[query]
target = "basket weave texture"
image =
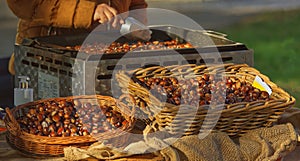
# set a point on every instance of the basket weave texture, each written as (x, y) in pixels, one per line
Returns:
(234, 119)
(43, 146)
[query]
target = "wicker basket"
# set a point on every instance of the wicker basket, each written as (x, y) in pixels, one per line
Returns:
(43, 146)
(234, 119)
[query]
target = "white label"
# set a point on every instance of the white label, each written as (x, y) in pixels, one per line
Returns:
(48, 86)
(260, 84)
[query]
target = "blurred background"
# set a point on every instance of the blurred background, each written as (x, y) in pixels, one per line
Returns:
(269, 27)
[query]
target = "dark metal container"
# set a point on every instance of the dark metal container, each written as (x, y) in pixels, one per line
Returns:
(57, 71)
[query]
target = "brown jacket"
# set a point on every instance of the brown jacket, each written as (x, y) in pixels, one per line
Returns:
(39, 17)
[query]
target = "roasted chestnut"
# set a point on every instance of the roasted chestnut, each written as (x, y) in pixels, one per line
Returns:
(116, 47)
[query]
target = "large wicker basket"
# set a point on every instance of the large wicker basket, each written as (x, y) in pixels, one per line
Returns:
(43, 146)
(234, 119)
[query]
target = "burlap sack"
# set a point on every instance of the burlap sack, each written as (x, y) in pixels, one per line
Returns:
(264, 144)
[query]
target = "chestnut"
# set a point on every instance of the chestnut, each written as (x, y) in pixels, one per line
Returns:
(76, 115)
(44, 124)
(59, 124)
(53, 107)
(28, 115)
(32, 111)
(60, 131)
(114, 120)
(52, 134)
(108, 114)
(72, 120)
(85, 133)
(56, 118)
(52, 128)
(264, 95)
(40, 108)
(53, 113)
(39, 127)
(67, 133)
(67, 121)
(73, 129)
(62, 103)
(118, 124)
(33, 130)
(77, 103)
(67, 116)
(48, 120)
(36, 123)
(40, 117)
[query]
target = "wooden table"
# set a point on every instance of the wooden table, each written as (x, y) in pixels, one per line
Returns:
(9, 154)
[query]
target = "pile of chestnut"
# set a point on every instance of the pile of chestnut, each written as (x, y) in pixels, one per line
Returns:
(117, 47)
(70, 118)
(202, 90)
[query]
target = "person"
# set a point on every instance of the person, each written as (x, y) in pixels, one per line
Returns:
(57, 17)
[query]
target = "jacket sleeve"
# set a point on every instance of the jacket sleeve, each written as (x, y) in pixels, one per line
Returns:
(140, 15)
(57, 13)
(138, 4)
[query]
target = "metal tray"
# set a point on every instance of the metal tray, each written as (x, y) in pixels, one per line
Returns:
(203, 40)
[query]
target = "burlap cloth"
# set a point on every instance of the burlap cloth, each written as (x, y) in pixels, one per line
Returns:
(264, 144)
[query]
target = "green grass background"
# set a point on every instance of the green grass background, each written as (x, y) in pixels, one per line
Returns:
(275, 39)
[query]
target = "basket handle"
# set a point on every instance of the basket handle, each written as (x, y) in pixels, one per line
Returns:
(12, 119)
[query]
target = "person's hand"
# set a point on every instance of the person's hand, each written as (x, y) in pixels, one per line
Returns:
(104, 13)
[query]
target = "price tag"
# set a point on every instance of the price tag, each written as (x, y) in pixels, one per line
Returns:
(261, 85)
